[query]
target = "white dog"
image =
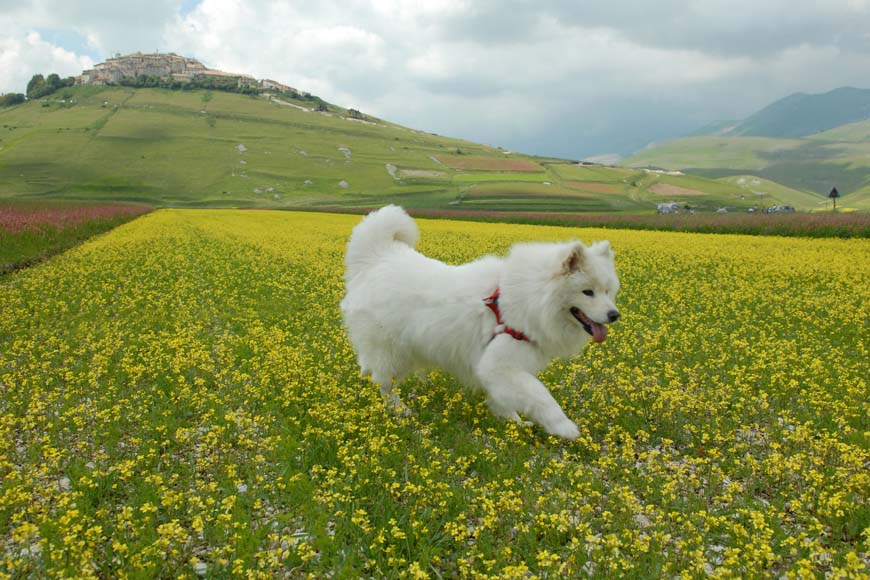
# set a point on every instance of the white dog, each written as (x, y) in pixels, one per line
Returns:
(493, 323)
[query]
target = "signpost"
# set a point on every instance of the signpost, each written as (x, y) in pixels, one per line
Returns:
(834, 195)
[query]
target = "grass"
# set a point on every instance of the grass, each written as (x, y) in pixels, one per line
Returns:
(31, 231)
(853, 132)
(181, 149)
(178, 398)
(498, 176)
(760, 190)
(796, 171)
(713, 153)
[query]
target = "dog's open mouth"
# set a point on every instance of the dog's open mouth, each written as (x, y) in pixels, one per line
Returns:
(597, 330)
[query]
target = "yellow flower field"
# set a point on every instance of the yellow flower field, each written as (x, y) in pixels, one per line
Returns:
(178, 399)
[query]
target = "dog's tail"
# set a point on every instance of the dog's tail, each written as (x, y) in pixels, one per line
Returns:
(377, 232)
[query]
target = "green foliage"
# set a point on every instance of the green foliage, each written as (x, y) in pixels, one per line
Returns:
(10, 99)
(226, 84)
(35, 84)
(38, 86)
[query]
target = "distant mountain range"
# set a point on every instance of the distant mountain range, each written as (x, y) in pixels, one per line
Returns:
(807, 142)
(799, 115)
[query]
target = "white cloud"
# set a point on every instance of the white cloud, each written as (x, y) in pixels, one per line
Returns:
(22, 57)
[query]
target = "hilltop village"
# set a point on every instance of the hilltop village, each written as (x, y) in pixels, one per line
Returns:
(170, 66)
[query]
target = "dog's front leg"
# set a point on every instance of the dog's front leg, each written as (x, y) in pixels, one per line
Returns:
(512, 389)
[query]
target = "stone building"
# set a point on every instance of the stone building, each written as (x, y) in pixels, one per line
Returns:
(280, 87)
(165, 66)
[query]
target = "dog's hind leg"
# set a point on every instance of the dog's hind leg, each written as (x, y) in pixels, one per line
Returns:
(422, 375)
(364, 369)
(391, 399)
(384, 362)
(386, 373)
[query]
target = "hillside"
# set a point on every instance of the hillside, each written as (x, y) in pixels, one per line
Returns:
(803, 143)
(810, 165)
(212, 148)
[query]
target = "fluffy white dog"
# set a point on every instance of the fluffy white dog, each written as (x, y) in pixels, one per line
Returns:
(493, 323)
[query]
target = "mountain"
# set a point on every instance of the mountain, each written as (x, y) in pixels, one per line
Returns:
(809, 143)
(800, 114)
(715, 128)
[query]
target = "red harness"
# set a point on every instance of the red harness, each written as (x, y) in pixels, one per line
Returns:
(491, 302)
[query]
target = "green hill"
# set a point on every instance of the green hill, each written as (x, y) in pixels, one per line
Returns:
(799, 146)
(808, 165)
(852, 132)
(212, 148)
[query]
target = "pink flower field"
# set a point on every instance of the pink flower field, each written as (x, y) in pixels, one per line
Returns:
(31, 231)
(24, 217)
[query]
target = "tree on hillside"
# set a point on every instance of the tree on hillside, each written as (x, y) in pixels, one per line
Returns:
(10, 99)
(36, 84)
(40, 86)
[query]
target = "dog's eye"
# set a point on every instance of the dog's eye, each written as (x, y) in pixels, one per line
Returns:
(589, 292)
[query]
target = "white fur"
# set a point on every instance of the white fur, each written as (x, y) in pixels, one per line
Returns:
(405, 312)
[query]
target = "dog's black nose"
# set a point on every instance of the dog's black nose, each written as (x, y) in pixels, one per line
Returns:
(613, 316)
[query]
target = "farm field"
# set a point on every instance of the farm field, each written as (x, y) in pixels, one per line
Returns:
(178, 398)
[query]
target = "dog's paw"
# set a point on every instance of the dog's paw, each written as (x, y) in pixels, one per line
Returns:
(566, 429)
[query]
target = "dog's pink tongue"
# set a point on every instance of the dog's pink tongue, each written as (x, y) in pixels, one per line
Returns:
(599, 331)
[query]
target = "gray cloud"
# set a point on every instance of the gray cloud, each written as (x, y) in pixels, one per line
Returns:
(738, 27)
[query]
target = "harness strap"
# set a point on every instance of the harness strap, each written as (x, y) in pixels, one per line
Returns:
(491, 302)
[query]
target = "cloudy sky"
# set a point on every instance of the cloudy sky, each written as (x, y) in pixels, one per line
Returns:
(559, 77)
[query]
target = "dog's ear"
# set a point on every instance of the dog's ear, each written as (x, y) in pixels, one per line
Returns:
(575, 258)
(603, 248)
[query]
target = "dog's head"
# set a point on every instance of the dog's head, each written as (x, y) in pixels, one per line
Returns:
(562, 294)
(589, 287)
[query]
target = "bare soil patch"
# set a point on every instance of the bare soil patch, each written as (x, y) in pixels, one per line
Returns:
(526, 190)
(488, 163)
(668, 189)
(410, 173)
(593, 186)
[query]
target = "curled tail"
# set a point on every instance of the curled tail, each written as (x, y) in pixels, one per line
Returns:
(377, 232)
